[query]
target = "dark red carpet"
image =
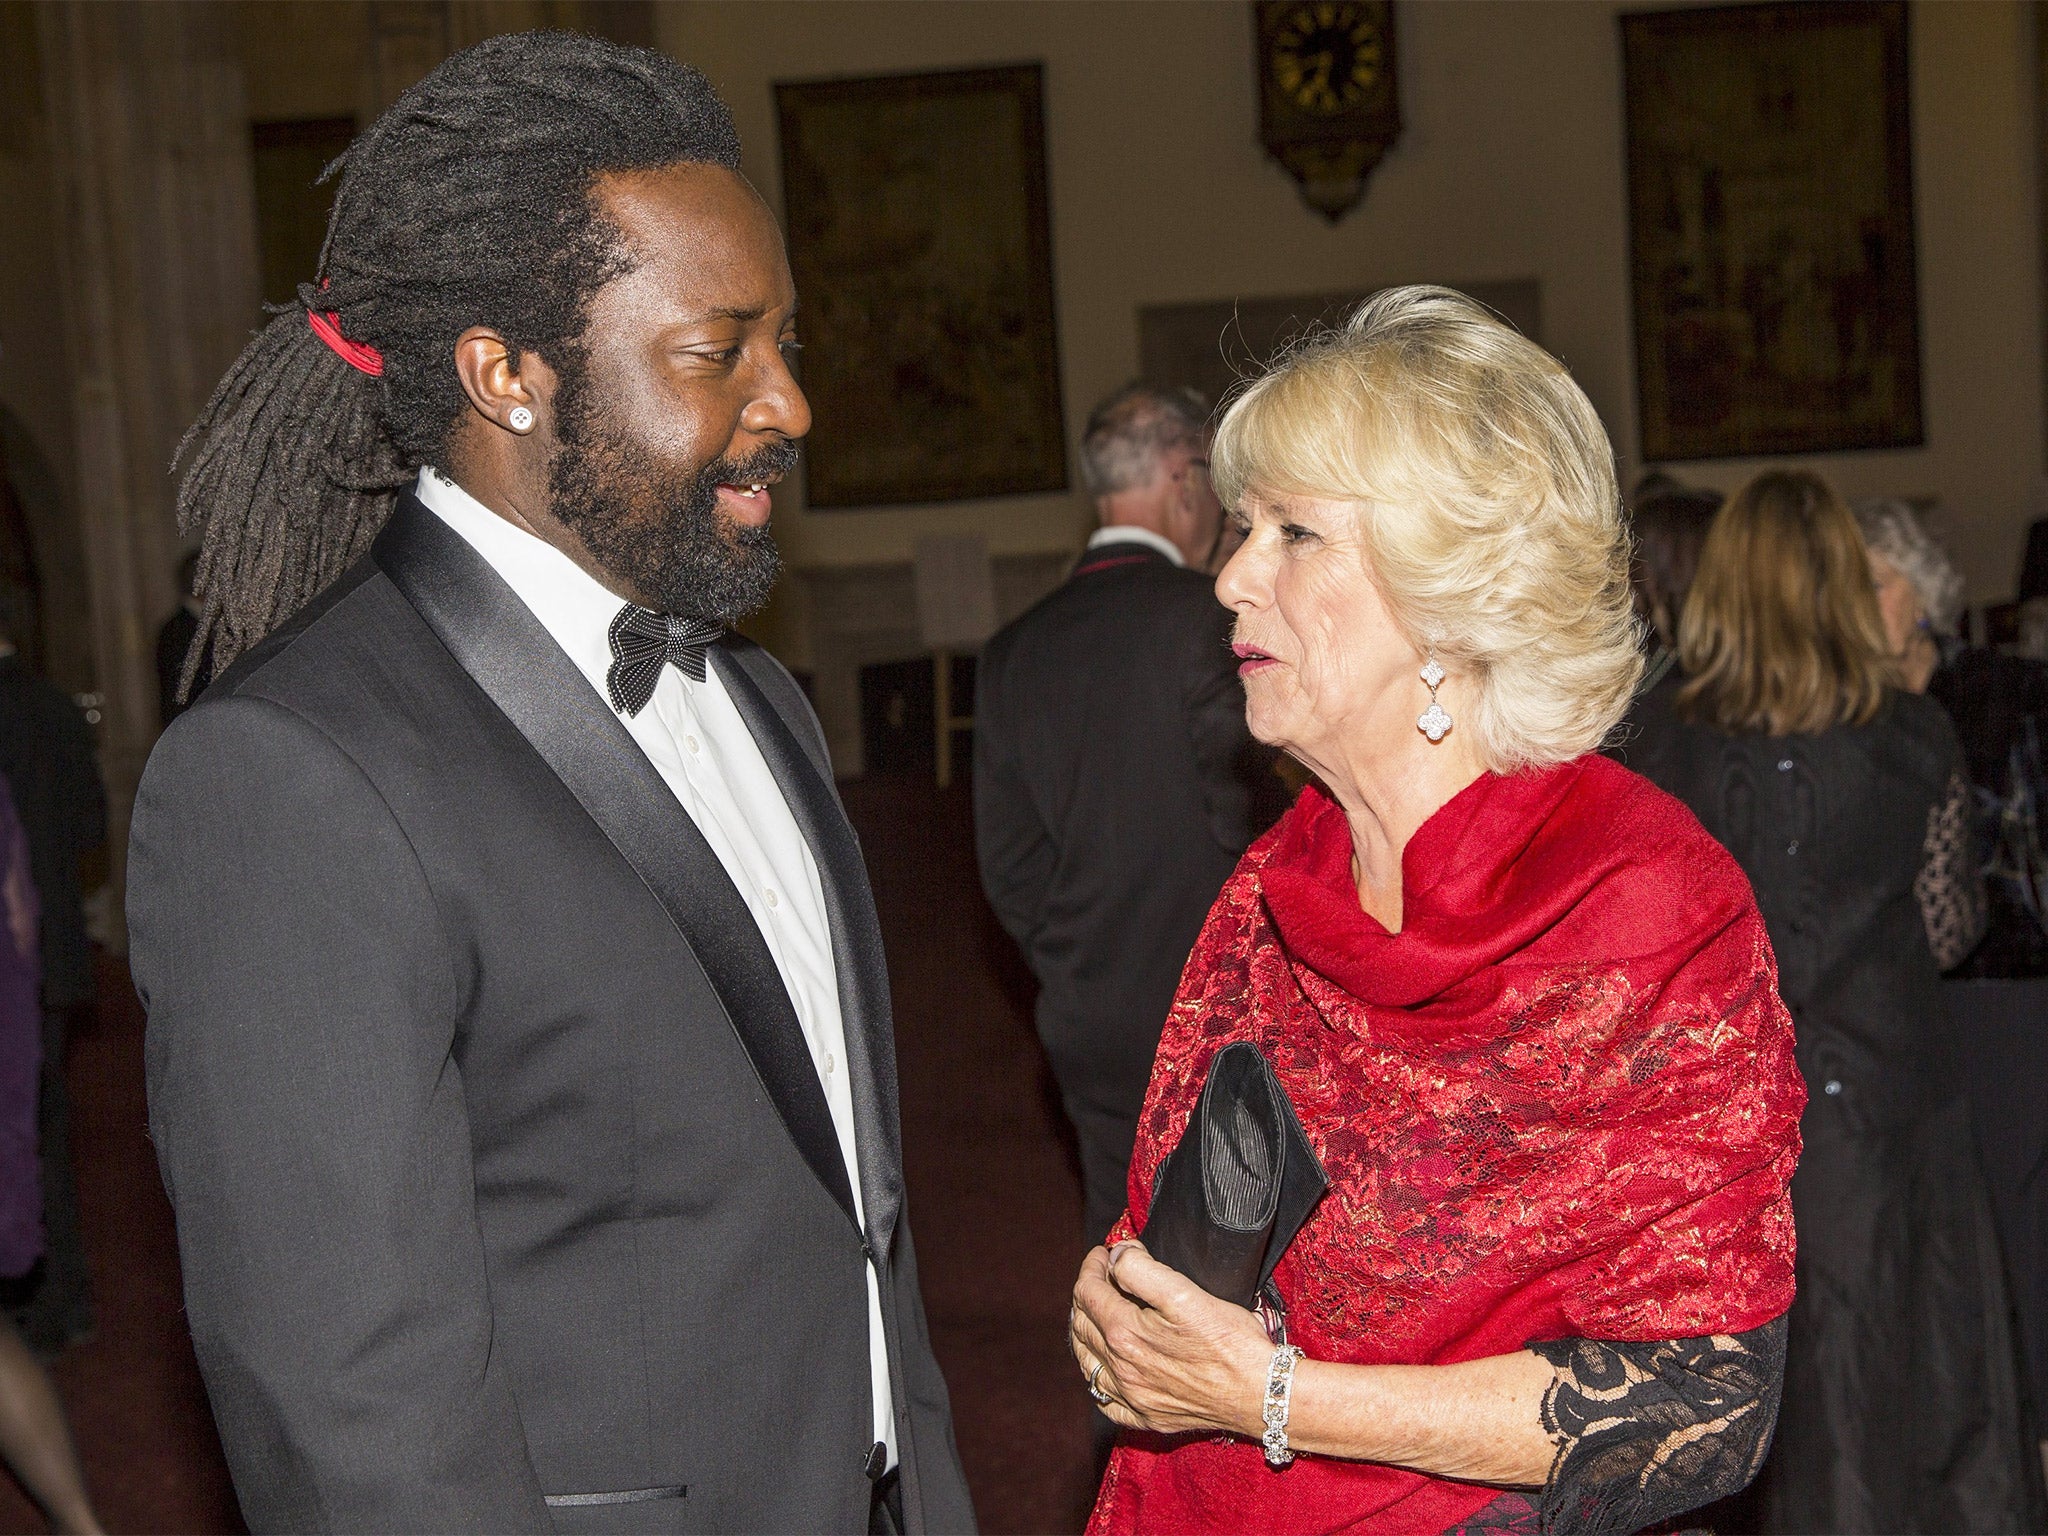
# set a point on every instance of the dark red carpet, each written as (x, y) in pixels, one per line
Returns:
(993, 1195)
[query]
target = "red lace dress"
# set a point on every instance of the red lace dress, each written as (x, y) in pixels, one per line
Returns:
(1561, 1103)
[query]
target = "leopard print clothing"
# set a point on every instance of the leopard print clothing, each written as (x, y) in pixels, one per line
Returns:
(1950, 887)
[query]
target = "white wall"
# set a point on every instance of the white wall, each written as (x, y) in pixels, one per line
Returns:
(1511, 166)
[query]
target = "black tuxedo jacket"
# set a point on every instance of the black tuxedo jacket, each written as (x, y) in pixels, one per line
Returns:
(507, 1194)
(1115, 786)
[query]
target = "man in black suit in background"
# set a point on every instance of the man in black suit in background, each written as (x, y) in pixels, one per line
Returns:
(51, 765)
(520, 1059)
(1115, 783)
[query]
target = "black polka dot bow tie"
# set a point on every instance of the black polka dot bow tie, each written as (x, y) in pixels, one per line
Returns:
(643, 643)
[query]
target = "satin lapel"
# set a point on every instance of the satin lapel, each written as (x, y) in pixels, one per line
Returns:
(857, 954)
(511, 656)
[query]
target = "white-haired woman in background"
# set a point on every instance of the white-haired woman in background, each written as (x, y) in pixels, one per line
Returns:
(1999, 705)
(1919, 593)
(1522, 1003)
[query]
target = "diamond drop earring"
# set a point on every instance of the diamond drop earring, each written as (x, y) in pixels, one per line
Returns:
(1435, 721)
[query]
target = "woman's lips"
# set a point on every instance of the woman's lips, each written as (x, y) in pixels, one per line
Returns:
(749, 504)
(1251, 659)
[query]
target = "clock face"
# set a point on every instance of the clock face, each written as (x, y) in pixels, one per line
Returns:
(1327, 55)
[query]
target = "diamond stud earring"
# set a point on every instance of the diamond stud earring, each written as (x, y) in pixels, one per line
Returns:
(519, 419)
(1435, 721)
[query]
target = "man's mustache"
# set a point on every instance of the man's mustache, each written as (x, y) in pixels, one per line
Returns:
(771, 461)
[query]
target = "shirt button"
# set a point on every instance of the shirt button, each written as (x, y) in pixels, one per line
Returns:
(773, 899)
(1784, 765)
(691, 743)
(830, 1063)
(1831, 1087)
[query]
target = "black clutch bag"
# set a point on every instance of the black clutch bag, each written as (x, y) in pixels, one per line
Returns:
(1231, 1196)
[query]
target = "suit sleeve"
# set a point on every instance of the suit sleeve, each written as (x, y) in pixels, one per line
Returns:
(1241, 796)
(85, 792)
(1012, 846)
(309, 1121)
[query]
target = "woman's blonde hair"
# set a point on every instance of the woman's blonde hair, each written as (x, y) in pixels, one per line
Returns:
(1492, 522)
(1781, 631)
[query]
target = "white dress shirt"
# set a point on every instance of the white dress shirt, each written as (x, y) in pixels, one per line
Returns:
(1123, 534)
(697, 741)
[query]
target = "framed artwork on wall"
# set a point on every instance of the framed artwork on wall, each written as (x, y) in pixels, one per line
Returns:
(916, 207)
(1770, 187)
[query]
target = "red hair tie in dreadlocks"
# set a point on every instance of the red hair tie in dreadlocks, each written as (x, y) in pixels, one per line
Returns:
(359, 355)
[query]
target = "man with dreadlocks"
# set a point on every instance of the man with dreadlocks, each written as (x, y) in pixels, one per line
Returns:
(520, 1058)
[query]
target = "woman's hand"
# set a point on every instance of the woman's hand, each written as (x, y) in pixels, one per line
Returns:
(1172, 1357)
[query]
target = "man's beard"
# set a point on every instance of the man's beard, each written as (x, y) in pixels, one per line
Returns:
(659, 530)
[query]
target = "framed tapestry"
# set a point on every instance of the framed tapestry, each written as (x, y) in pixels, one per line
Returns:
(917, 235)
(1770, 184)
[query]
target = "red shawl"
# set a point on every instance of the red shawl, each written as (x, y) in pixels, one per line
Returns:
(1560, 1103)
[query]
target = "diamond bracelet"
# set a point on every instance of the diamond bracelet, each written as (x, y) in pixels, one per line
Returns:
(1279, 1396)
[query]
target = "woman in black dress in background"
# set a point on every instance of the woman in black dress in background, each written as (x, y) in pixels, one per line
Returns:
(1998, 704)
(1845, 800)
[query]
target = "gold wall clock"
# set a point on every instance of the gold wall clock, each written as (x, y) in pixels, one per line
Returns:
(1328, 109)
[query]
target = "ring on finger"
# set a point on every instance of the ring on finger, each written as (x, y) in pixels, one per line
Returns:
(1094, 1389)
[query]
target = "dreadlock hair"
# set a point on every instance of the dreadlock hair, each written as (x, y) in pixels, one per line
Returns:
(470, 202)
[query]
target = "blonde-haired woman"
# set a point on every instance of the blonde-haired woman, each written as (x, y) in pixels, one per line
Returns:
(1844, 800)
(1520, 1001)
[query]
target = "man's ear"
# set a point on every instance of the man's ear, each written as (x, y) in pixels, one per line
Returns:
(508, 395)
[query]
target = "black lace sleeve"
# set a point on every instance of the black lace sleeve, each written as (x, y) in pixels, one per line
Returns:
(1646, 1432)
(1950, 887)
